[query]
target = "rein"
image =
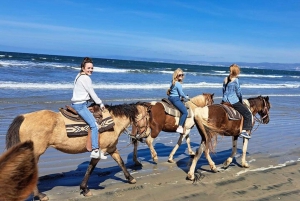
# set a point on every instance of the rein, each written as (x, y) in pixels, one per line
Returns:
(260, 120)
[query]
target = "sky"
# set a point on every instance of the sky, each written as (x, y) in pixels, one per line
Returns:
(186, 30)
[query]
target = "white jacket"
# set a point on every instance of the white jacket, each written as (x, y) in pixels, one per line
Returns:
(83, 90)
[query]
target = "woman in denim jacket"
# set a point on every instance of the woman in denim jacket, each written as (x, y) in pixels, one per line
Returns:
(175, 93)
(232, 94)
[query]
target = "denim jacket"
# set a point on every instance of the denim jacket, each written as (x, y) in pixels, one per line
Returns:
(176, 90)
(232, 93)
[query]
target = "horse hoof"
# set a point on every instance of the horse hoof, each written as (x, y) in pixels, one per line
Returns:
(192, 153)
(246, 165)
(138, 164)
(132, 181)
(171, 161)
(190, 177)
(88, 194)
(215, 170)
(155, 160)
(41, 197)
(44, 198)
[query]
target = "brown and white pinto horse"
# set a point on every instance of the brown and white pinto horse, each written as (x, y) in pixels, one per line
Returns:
(213, 120)
(158, 120)
(47, 128)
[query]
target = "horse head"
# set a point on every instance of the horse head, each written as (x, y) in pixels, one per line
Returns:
(264, 113)
(261, 105)
(203, 100)
(141, 127)
(209, 99)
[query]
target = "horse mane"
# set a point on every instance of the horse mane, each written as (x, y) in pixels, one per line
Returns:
(18, 172)
(128, 110)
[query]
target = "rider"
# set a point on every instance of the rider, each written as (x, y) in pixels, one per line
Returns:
(83, 92)
(174, 93)
(232, 94)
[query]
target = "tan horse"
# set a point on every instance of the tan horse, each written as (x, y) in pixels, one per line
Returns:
(18, 172)
(47, 128)
(213, 120)
(159, 121)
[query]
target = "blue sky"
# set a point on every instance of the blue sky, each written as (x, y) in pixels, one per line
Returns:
(188, 30)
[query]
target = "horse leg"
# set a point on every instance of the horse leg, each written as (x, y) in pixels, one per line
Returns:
(191, 174)
(210, 161)
(170, 160)
(188, 142)
(135, 158)
(116, 156)
(233, 152)
(83, 186)
(149, 142)
(38, 195)
(245, 146)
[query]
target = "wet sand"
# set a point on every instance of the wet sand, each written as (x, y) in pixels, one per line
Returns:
(264, 180)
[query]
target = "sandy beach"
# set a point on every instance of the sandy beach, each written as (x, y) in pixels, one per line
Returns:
(264, 180)
(273, 154)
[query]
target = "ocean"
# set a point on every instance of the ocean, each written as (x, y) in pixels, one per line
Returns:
(31, 82)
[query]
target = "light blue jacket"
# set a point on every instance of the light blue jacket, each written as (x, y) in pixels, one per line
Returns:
(232, 94)
(176, 90)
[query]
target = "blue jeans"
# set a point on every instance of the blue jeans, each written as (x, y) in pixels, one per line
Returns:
(88, 117)
(243, 110)
(180, 106)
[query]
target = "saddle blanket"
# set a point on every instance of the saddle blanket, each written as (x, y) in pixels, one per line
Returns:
(81, 128)
(232, 113)
(171, 110)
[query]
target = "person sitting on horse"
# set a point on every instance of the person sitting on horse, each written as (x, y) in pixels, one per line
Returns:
(82, 93)
(232, 94)
(175, 93)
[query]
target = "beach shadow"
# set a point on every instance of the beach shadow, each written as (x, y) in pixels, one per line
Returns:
(73, 178)
(218, 158)
(162, 151)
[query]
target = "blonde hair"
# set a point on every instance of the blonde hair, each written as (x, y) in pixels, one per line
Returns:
(175, 76)
(234, 71)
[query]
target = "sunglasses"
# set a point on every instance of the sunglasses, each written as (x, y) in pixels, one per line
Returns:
(180, 75)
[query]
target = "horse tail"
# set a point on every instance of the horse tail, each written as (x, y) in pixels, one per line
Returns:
(207, 130)
(12, 136)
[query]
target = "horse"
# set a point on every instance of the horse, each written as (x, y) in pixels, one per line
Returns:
(213, 120)
(47, 128)
(18, 172)
(159, 120)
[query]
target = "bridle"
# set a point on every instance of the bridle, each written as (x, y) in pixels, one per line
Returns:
(141, 130)
(263, 114)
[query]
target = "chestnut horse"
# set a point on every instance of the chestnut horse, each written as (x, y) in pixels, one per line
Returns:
(213, 120)
(47, 128)
(18, 172)
(161, 121)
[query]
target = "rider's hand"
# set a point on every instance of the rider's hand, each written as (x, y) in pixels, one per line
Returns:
(187, 97)
(102, 107)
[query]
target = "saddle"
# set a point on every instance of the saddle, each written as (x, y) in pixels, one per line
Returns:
(76, 126)
(231, 112)
(172, 110)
